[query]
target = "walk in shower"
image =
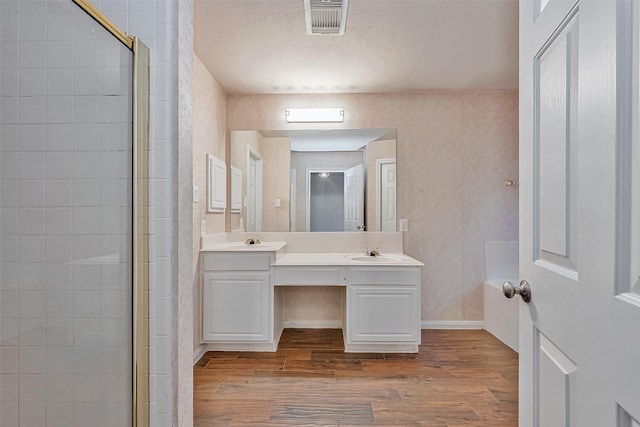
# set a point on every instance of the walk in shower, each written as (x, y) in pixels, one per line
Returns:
(73, 218)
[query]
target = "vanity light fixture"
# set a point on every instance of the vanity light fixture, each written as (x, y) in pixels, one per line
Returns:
(324, 174)
(315, 115)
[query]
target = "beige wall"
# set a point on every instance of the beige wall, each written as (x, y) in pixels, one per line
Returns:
(277, 163)
(455, 149)
(209, 129)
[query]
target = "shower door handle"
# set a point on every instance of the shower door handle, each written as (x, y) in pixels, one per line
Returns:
(524, 290)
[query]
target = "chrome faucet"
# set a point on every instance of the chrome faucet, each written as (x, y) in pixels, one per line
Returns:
(252, 241)
(374, 252)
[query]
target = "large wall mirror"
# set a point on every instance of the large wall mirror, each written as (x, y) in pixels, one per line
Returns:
(313, 180)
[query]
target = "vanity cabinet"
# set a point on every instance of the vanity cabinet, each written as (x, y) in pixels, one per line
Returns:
(237, 297)
(237, 307)
(243, 298)
(383, 305)
(383, 302)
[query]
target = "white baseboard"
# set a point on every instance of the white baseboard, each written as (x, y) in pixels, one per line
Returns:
(200, 351)
(452, 324)
(313, 324)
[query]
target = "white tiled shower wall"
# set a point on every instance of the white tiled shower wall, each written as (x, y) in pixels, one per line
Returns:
(155, 22)
(65, 342)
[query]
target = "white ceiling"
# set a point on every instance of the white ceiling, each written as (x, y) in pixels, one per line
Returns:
(260, 46)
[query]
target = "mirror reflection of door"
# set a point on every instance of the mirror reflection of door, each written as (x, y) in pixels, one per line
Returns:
(335, 199)
(292, 200)
(387, 194)
(308, 149)
(254, 191)
(354, 199)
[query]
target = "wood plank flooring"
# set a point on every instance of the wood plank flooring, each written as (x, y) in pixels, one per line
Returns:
(458, 378)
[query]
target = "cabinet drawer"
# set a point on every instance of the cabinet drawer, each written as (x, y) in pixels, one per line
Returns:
(235, 261)
(309, 276)
(384, 276)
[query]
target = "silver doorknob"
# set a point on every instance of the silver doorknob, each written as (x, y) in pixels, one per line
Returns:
(524, 290)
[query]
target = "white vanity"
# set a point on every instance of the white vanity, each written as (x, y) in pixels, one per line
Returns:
(243, 304)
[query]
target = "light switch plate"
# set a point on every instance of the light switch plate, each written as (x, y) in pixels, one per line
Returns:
(404, 224)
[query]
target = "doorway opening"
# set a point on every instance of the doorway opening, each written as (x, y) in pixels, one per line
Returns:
(325, 200)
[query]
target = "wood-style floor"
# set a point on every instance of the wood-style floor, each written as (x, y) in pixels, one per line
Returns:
(458, 378)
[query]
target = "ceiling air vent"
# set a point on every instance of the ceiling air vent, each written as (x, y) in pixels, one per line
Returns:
(325, 16)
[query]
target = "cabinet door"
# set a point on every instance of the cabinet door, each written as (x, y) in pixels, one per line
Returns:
(383, 314)
(236, 307)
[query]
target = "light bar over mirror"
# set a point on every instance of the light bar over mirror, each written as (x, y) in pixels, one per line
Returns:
(315, 115)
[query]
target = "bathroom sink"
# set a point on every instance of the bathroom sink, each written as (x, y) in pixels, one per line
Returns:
(378, 258)
(242, 246)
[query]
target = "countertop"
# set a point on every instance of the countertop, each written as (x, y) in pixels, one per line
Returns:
(284, 258)
(346, 259)
(243, 247)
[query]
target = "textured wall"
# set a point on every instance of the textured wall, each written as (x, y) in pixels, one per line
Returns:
(455, 149)
(209, 130)
(276, 184)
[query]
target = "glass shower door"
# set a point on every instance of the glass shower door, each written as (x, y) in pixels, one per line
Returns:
(66, 174)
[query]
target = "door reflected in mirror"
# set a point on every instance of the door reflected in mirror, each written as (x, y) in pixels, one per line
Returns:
(314, 180)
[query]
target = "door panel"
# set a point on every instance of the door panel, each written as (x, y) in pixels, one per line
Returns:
(354, 198)
(626, 420)
(251, 196)
(380, 313)
(236, 307)
(555, 146)
(628, 199)
(557, 374)
(388, 197)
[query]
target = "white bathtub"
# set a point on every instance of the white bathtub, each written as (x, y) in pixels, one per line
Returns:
(501, 313)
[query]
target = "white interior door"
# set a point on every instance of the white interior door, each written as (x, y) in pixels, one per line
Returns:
(293, 195)
(579, 216)
(387, 195)
(354, 198)
(251, 195)
(254, 191)
(217, 185)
